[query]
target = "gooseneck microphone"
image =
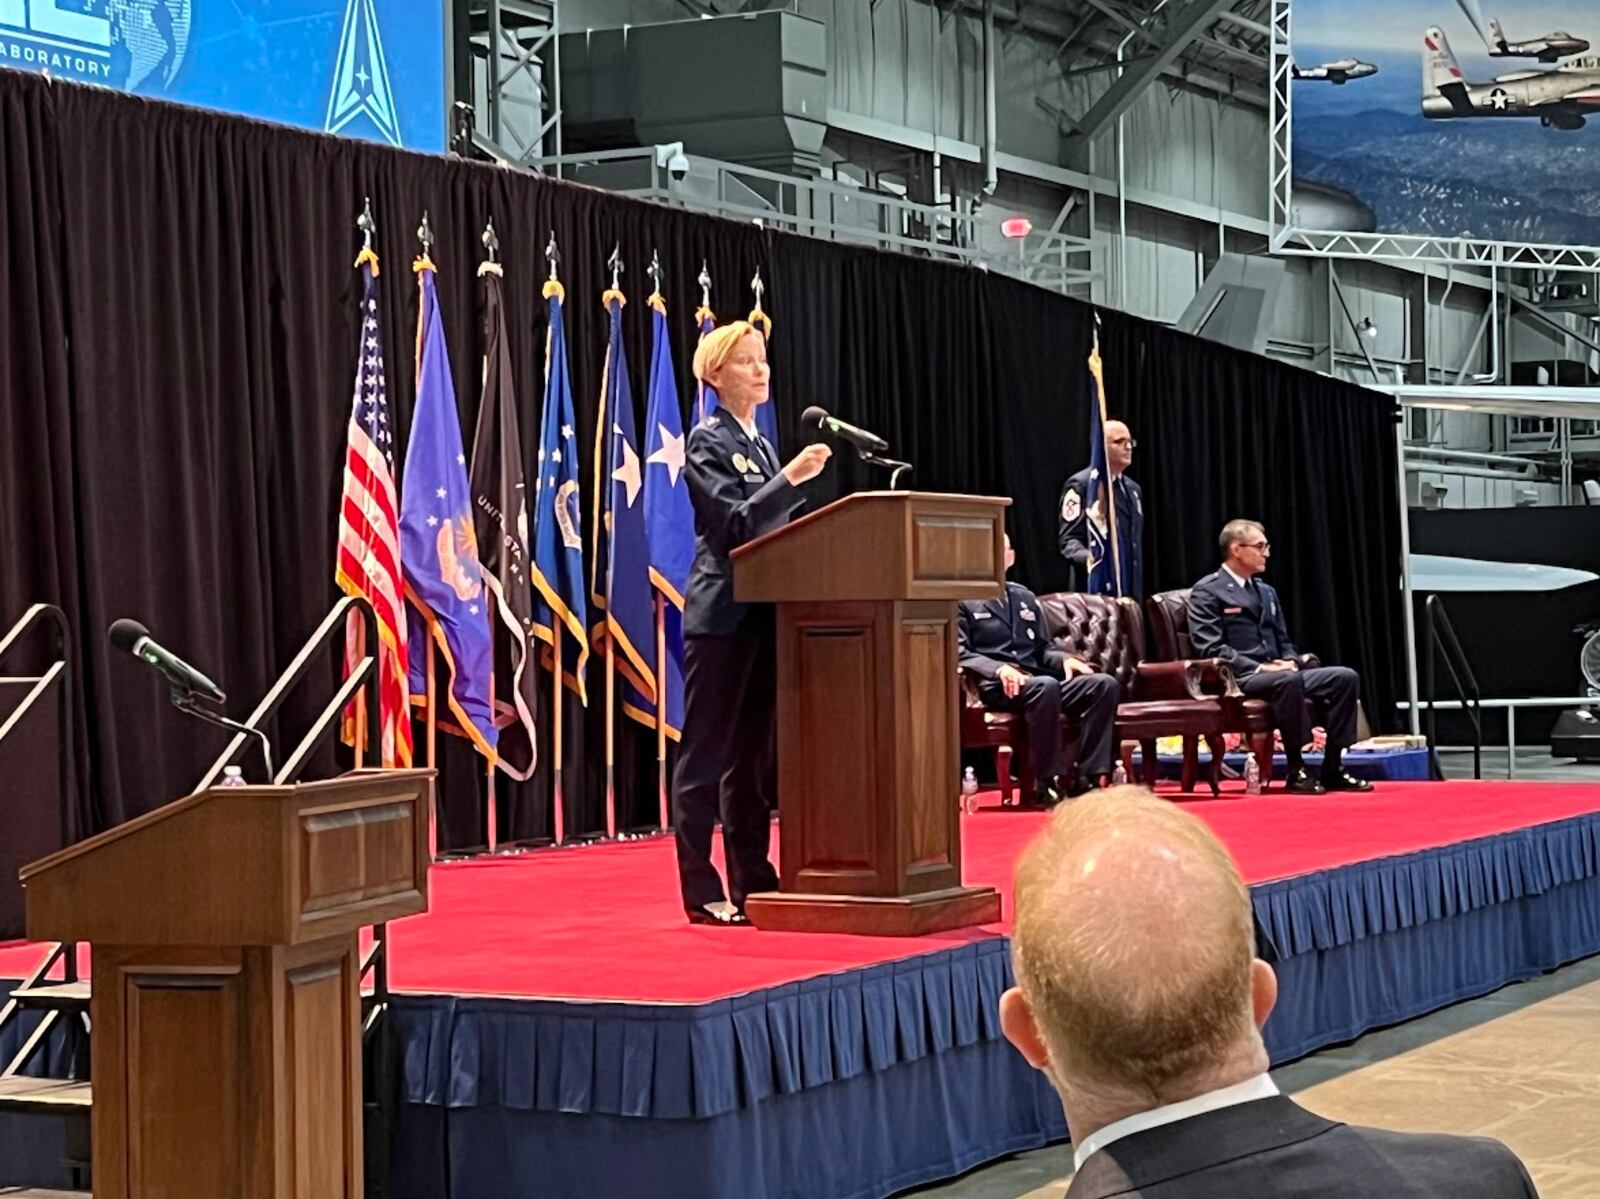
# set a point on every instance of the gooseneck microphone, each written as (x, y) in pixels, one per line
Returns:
(817, 418)
(134, 638)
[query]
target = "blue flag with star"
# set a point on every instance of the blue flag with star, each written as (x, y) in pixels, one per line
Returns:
(1108, 572)
(621, 585)
(558, 602)
(668, 514)
(438, 541)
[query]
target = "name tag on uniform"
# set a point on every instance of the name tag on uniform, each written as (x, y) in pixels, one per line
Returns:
(754, 478)
(983, 616)
(1232, 611)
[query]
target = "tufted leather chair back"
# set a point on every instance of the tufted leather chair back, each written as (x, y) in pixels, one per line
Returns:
(1106, 632)
(1169, 626)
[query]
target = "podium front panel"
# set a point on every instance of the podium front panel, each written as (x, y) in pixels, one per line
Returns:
(833, 836)
(927, 744)
(954, 554)
(867, 748)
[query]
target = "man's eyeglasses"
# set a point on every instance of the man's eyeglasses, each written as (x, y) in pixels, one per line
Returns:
(1127, 441)
(1263, 546)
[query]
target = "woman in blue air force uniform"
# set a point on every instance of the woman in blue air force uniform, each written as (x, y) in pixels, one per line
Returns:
(725, 760)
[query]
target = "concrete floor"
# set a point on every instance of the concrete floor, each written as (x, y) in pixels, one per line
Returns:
(1521, 1065)
(1532, 763)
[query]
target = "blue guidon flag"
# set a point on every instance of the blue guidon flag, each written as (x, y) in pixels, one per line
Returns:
(557, 524)
(668, 514)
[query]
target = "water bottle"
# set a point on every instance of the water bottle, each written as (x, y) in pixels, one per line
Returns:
(233, 776)
(1252, 776)
(969, 784)
(1119, 776)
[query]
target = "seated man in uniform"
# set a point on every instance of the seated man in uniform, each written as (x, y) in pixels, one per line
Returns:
(1234, 616)
(1005, 644)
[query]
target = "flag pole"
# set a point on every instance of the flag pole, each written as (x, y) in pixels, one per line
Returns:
(1098, 367)
(661, 708)
(556, 705)
(490, 833)
(359, 736)
(611, 736)
(430, 745)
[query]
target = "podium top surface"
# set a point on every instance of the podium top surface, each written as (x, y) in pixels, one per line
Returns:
(254, 865)
(880, 545)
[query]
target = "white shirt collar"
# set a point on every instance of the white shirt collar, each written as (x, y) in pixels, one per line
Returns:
(1259, 1087)
(1235, 576)
(749, 426)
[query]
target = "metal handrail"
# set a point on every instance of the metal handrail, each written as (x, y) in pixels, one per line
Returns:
(1441, 636)
(61, 668)
(365, 672)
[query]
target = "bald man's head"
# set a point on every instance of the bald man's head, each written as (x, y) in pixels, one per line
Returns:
(1119, 446)
(1135, 951)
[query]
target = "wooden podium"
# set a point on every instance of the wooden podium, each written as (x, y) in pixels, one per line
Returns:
(868, 727)
(225, 1004)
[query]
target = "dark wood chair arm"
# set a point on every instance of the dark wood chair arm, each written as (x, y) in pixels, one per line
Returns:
(1217, 677)
(1167, 680)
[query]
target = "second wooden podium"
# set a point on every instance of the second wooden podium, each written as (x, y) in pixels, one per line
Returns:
(868, 728)
(226, 1005)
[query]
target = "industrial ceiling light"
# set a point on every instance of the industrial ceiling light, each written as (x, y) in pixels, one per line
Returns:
(1368, 329)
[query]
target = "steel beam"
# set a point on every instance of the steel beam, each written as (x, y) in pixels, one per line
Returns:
(1185, 20)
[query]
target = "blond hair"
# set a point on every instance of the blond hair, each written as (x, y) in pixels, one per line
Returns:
(1133, 944)
(717, 347)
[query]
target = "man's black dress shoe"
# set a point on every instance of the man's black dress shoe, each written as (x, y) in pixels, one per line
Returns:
(1343, 780)
(1082, 786)
(1301, 783)
(721, 912)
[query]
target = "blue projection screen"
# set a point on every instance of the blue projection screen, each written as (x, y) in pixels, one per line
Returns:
(363, 68)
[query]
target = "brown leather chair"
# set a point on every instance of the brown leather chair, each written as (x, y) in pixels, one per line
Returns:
(1160, 698)
(1252, 718)
(1007, 734)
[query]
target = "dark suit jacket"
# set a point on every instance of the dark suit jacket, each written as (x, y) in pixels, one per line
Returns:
(1226, 621)
(739, 493)
(1275, 1149)
(1072, 530)
(1007, 631)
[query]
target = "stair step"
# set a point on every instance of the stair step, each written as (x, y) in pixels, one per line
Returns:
(20, 1092)
(66, 997)
(38, 1193)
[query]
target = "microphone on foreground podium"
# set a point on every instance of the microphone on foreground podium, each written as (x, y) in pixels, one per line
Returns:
(869, 447)
(189, 688)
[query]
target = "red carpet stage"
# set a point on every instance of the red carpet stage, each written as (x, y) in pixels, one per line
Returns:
(562, 1030)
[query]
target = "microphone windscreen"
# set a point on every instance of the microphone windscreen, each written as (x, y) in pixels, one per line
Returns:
(126, 633)
(813, 417)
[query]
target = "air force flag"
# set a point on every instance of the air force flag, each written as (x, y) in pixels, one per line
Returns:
(439, 543)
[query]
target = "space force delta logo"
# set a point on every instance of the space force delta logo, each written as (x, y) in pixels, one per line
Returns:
(139, 45)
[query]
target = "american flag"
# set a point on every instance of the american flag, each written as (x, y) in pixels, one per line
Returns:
(369, 531)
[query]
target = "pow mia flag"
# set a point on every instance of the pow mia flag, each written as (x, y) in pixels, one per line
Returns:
(500, 505)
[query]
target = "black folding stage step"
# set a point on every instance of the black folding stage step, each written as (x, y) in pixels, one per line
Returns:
(59, 1096)
(61, 997)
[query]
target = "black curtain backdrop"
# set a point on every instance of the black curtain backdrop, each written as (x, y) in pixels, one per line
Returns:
(177, 353)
